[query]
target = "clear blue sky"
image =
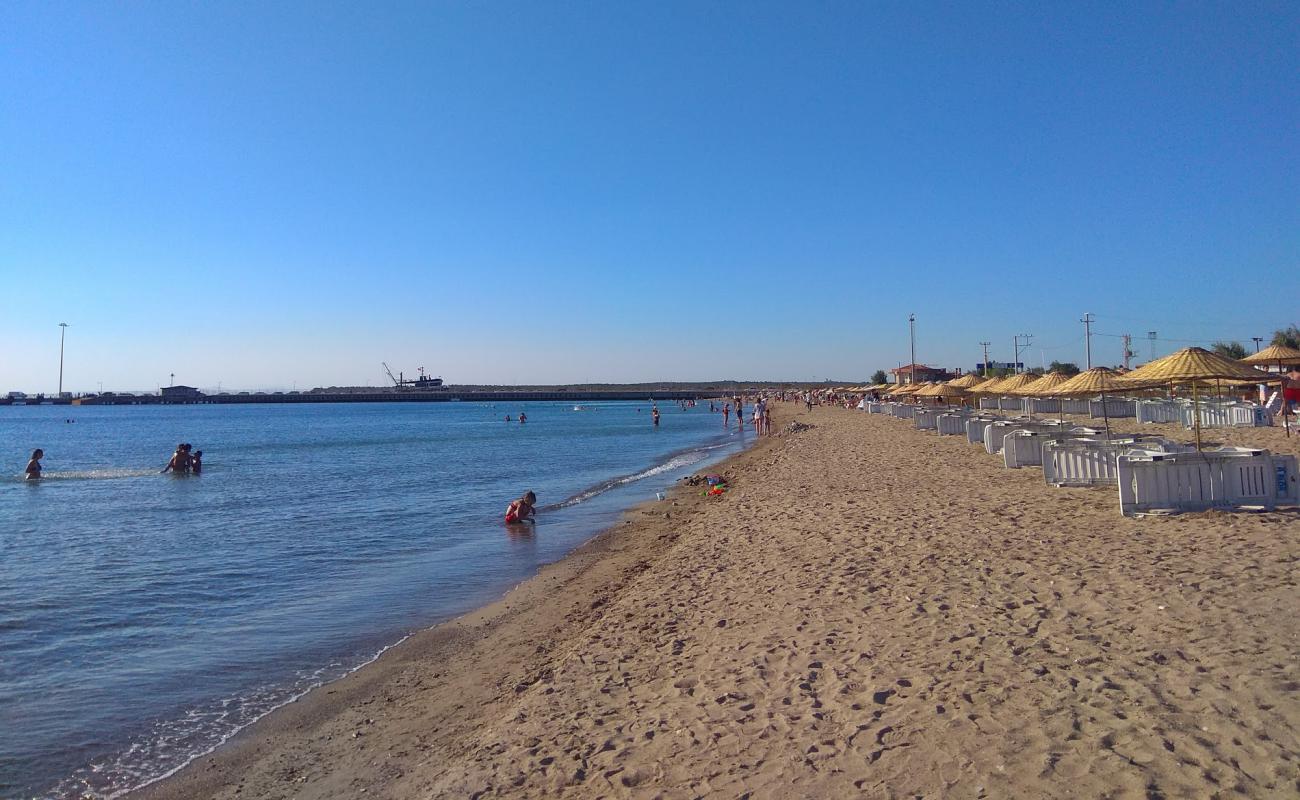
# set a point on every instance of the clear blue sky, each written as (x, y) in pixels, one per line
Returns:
(270, 194)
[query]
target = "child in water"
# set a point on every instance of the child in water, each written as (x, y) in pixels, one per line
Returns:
(33, 471)
(522, 510)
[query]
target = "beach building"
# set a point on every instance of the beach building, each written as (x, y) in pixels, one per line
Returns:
(904, 374)
(180, 392)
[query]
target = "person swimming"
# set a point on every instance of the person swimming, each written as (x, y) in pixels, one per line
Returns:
(523, 509)
(33, 471)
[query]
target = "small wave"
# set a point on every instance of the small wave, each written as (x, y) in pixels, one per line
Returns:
(107, 473)
(175, 744)
(677, 461)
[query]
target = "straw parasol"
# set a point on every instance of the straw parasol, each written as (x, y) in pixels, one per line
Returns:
(967, 381)
(1009, 385)
(990, 386)
(1192, 365)
(940, 390)
(1274, 354)
(1280, 355)
(1098, 380)
(1042, 387)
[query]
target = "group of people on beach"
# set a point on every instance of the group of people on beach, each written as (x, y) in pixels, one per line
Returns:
(185, 461)
(760, 418)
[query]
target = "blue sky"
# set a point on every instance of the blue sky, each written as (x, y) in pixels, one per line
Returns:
(270, 195)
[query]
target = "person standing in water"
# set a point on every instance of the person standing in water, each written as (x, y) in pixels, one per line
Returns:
(523, 509)
(196, 462)
(180, 461)
(654, 415)
(33, 471)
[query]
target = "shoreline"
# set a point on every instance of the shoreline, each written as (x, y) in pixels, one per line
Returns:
(871, 611)
(592, 568)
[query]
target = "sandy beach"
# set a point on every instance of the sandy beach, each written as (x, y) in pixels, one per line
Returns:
(871, 612)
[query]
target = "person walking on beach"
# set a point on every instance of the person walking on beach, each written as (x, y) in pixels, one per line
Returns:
(523, 509)
(33, 471)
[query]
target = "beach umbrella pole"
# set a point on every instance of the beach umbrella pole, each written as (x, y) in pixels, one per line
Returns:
(1196, 417)
(1286, 407)
(1105, 414)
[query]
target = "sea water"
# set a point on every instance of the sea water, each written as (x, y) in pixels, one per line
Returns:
(145, 618)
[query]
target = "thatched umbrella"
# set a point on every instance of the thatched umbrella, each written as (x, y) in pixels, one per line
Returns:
(940, 390)
(967, 381)
(1010, 385)
(990, 386)
(1041, 387)
(1191, 365)
(1281, 355)
(1274, 354)
(1097, 380)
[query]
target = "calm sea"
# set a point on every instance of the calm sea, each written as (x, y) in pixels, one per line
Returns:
(145, 618)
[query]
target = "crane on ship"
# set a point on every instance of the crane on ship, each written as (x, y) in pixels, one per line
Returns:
(421, 383)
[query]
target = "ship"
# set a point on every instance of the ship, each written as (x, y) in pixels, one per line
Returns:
(421, 383)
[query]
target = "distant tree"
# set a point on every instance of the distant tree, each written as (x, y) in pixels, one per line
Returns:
(1000, 372)
(1287, 337)
(1229, 349)
(1035, 370)
(1064, 367)
(879, 376)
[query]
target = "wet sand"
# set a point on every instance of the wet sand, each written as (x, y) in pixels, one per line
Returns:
(872, 612)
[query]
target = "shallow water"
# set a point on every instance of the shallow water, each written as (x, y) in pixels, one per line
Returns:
(144, 618)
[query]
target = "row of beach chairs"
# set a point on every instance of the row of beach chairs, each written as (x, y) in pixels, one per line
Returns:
(1214, 413)
(1152, 474)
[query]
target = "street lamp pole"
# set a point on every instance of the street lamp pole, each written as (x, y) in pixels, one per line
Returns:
(911, 329)
(986, 357)
(1087, 335)
(1015, 361)
(1257, 340)
(63, 332)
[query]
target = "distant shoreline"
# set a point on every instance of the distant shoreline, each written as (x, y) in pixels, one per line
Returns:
(377, 394)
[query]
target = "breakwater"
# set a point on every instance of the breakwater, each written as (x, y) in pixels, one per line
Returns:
(446, 396)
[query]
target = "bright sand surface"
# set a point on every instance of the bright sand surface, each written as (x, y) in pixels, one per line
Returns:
(871, 612)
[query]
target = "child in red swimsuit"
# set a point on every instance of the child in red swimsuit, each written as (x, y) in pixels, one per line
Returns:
(522, 509)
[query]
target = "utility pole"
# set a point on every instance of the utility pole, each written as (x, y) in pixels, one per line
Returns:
(63, 331)
(911, 330)
(1128, 349)
(986, 357)
(1087, 336)
(1257, 340)
(1151, 340)
(1015, 361)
